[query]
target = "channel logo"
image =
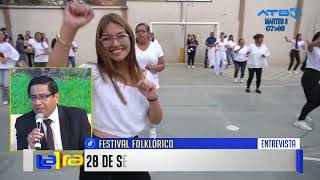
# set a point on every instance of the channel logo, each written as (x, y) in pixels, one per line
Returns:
(90, 143)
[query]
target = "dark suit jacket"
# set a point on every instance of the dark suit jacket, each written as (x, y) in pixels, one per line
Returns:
(74, 128)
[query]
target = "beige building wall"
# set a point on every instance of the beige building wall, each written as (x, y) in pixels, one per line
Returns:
(275, 41)
(49, 19)
(310, 22)
(1, 18)
(171, 37)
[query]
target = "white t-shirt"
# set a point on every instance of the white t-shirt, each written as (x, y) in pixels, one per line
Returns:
(221, 46)
(150, 56)
(110, 115)
(156, 41)
(31, 41)
(293, 44)
(72, 53)
(255, 59)
(313, 59)
(8, 51)
(39, 47)
(211, 56)
(231, 44)
(240, 56)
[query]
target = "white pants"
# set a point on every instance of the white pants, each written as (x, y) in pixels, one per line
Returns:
(220, 61)
(211, 56)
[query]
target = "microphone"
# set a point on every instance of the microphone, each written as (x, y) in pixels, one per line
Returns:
(39, 119)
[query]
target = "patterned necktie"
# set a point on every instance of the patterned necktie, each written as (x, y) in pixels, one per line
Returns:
(50, 141)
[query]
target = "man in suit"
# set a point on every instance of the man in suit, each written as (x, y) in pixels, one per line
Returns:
(64, 128)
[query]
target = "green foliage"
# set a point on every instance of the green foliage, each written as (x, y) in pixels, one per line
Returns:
(74, 88)
(19, 96)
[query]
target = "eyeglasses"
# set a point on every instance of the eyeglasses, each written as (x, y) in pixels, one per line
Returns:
(108, 40)
(42, 98)
(140, 31)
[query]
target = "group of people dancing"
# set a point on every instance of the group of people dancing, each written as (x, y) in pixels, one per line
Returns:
(225, 51)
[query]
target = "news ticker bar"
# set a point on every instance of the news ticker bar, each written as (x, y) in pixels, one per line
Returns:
(193, 160)
(166, 160)
(193, 143)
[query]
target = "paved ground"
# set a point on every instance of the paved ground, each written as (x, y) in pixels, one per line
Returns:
(197, 103)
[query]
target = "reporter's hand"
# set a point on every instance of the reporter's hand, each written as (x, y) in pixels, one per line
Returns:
(77, 15)
(33, 137)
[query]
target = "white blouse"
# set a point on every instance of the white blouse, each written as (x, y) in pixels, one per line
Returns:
(221, 46)
(241, 55)
(39, 48)
(110, 115)
(150, 56)
(8, 51)
(255, 59)
(293, 44)
(313, 59)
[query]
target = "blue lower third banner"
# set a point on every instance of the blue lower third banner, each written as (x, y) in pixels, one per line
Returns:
(193, 143)
(193, 154)
(174, 154)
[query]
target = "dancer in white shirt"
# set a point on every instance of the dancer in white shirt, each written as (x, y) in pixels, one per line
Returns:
(124, 97)
(296, 45)
(220, 60)
(240, 60)
(8, 58)
(310, 83)
(257, 53)
(149, 56)
(230, 53)
(211, 55)
(41, 51)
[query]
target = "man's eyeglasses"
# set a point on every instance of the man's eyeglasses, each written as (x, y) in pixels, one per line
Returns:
(42, 98)
(108, 40)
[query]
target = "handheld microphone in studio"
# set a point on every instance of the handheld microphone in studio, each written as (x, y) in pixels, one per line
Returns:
(39, 119)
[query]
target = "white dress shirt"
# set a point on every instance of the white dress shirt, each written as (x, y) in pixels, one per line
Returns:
(55, 126)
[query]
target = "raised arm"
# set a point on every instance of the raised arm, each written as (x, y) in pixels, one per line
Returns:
(313, 44)
(75, 16)
(286, 38)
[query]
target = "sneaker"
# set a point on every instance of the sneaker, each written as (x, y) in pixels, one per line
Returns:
(290, 72)
(241, 80)
(153, 132)
(302, 125)
(189, 67)
(192, 66)
(221, 73)
(308, 119)
(235, 80)
(5, 102)
(258, 91)
(248, 90)
(217, 73)
(296, 72)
